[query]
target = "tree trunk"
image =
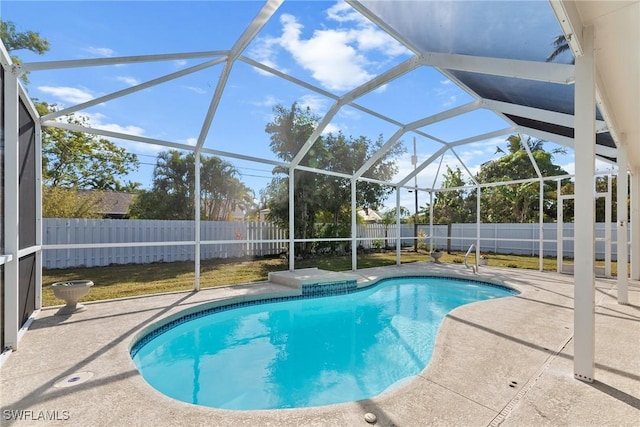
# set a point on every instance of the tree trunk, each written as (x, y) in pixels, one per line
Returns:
(448, 238)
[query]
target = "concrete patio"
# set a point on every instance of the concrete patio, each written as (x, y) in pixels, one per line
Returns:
(500, 362)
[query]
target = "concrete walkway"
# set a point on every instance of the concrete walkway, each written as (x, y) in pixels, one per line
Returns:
(499, 362)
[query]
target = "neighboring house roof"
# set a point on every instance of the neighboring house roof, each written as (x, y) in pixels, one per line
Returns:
(369, 215)
(112, 203)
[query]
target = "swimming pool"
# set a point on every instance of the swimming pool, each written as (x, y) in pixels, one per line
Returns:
(304, 351)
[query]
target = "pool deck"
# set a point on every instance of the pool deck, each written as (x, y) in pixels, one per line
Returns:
(499, 362)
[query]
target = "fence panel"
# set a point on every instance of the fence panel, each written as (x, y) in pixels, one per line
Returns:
(96, 231)
(521, 239)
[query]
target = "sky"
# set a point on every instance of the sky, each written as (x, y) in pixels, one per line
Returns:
(326, 44)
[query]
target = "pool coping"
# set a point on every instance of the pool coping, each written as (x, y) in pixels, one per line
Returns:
(480, 349)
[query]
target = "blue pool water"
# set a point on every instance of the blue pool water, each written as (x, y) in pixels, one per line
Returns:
(306, 352)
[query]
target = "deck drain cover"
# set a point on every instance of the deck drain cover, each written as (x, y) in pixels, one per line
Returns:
(74, 379)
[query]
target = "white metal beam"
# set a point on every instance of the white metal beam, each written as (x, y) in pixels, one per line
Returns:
(160, 142)
(196, 203)
(95, 62)
(39, 240)
(292, 218)
(584, 237)
(381, 152)
(529, 70)
(482, 137)
(364, 11)
(565, 141)
(422, 166)
(287, 77)
(467, 169)
(120, 135)
(603, 102)
(444, 115)
(335, 97)
(561, 119)
(462, 109)
(354, 227)
(531, 159)
(12, 211)
(316, 133)
(133, 89)
(570, 22)
(635, 224)
(243, 41)
(622, 251)
(367, 87)
(381, 79)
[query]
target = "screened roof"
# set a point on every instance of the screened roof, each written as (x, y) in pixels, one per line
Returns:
(492, 52)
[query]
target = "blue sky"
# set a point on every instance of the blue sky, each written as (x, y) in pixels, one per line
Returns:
(326, 44)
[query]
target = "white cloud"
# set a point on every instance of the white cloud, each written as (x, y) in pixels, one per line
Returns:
(317, 104)
(448, 102)
(180, 62)
(447, 93)
(331, 128)
(196, 89)
(268, 101)
(67, 94)
(131, 81)
(381, 89)
(100, 51)
(98, 120)
(343, 13)
(335, 57)
(569, 167)
(264, 52)
(327, 55)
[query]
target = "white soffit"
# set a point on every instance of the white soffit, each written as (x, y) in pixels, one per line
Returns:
(617, 34)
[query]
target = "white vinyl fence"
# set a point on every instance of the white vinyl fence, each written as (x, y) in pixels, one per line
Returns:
(519, 239)
(58, 231)
(498, 238)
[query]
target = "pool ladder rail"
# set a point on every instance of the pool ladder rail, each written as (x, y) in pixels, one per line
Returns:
(466, 257)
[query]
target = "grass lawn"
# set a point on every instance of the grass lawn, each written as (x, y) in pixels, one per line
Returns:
(119, 281)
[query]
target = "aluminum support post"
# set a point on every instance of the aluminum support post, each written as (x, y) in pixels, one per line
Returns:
(292, 255)
(635, 224)
(196, 204)
(622, 250)
(12, 211)
(584, 277)
(354, 228)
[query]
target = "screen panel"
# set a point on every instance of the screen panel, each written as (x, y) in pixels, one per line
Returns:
(27, 171)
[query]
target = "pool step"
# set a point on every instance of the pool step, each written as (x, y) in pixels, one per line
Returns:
(309, 277)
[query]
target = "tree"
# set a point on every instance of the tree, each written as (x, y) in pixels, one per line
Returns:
(14, 40)
(518, 202)
(389, 219)
(289, 131)
(450, 206)
(82, 161)
(58, 202)
(560, 45)
(172, 194)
